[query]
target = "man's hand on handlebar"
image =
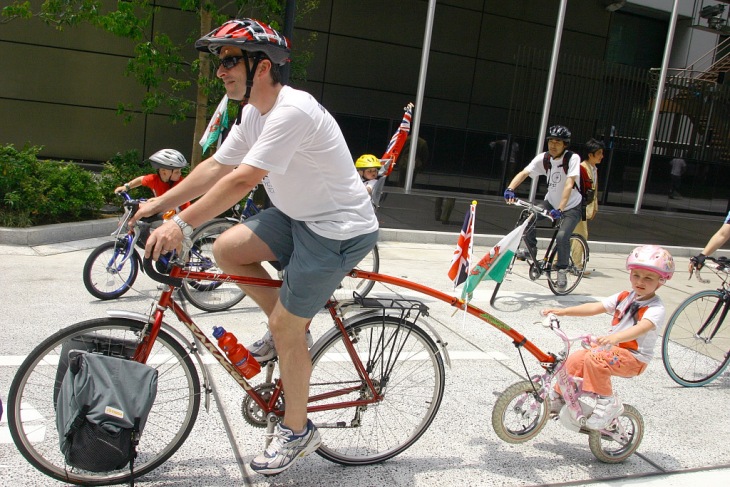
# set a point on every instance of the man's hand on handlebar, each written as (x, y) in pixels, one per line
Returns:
(165, 239)
(556, 214)
(697, 262)
(509, 196)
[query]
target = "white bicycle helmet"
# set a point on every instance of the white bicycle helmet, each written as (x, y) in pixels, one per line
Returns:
(651, 258)
(168, 159)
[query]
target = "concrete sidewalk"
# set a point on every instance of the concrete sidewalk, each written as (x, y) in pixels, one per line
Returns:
(685, 440)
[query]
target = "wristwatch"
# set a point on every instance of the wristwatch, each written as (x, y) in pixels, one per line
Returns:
(185, 228)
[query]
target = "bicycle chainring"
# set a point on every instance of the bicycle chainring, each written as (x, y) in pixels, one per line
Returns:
(534, 272)
(252, 412)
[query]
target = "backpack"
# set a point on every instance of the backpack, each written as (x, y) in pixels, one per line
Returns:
(101, 410)
(587, 193)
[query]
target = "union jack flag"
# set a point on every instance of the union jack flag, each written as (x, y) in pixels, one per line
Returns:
(395, 146)
(462, 254)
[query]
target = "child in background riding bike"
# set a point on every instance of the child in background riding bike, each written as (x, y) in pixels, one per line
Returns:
(562, 200)
(169, 164)
(367, 166)
(638, 317)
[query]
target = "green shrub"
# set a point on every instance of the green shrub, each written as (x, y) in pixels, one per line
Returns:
(121, 169)
(35, 192)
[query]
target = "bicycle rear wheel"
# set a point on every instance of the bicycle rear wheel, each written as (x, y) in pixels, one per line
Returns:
(209, 295)
(615, 450)
(576, 266)
(105, 275)
(696, 343)
(349, 285)
(405, 366)
(31, 404)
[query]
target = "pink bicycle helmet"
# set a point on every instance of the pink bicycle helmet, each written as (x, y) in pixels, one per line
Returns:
(651, 258)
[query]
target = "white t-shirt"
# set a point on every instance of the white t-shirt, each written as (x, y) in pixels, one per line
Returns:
(654, 312)
(556, 177)
(311, 175)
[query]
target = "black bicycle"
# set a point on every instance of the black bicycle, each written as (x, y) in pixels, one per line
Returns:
(547, 264)
(696, 345)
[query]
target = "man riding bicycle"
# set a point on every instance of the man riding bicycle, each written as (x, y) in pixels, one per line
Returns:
(562, 200)
(318, 231)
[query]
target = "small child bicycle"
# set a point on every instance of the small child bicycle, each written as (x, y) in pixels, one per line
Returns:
(522, 410)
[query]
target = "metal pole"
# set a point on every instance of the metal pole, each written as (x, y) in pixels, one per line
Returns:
(549, 89)
(419, 95)
(657, 107)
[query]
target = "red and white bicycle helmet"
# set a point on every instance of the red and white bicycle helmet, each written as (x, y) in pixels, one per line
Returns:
(651, 258)
(249, 35)
(168, 159)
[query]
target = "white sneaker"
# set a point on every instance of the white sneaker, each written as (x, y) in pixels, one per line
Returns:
(285, 448)
(264, 350)
(607, 409)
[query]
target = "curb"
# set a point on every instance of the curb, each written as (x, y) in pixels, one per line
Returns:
(66, 232)
(58, 232)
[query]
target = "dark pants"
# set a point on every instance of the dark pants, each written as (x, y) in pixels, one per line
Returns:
(571, 218)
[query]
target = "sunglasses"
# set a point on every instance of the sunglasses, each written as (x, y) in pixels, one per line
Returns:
(230, 61)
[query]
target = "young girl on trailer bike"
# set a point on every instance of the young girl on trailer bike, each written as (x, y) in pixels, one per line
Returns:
(638, 317)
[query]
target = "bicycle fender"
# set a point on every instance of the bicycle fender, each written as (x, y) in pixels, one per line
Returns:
(142, 318)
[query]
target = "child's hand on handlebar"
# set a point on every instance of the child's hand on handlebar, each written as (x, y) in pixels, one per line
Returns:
(606, 340)
(555, 311)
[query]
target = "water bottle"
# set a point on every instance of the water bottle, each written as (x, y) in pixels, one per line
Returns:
(237, 353)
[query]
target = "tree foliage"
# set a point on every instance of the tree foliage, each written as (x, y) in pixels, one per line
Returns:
(162, 66)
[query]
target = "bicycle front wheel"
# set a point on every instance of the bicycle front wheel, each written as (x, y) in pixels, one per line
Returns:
(105, 275)
(695, 344)
(31, 404)
(406, 368)
(576, 266)
(209, 295)
(519, 415)
(349, 285)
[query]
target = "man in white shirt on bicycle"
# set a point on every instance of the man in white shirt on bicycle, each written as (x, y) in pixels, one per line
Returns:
(563, 200)
(317, 233)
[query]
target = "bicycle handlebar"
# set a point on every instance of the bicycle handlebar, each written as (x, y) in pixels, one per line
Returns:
(538, 210)
(149, 267)
(722, 265)
(551, 321)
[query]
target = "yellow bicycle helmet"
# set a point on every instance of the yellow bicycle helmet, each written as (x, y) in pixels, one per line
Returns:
(366, 161)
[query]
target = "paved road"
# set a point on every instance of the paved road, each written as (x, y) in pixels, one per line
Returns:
(686, 429)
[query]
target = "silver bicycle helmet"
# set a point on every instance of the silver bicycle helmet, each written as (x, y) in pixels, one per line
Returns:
(168, 159)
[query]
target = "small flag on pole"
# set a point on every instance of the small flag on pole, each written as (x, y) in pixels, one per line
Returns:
(494, 264)
(462, 254)
(218, 122)
(395, 146)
